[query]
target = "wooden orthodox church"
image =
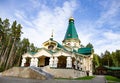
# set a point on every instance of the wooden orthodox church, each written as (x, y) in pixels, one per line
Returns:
(69, 55)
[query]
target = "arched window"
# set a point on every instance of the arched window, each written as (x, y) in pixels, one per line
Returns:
(50, 47)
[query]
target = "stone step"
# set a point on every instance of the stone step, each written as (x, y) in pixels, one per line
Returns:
(41, 71)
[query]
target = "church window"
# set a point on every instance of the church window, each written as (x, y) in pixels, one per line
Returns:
(50, 47)
(68, 43)
(68, 34)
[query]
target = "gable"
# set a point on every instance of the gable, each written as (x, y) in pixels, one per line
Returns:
(27, 55)
(42, 52)
(62, 53)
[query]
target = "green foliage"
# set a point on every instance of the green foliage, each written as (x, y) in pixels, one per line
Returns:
(80, 78)
(85, 78)
(33, 48)
(112, 78)
(111, 59)
(11, 46)
(106, 59)
(2, 68)
(82, 46)
(96, 60)
(89, 45)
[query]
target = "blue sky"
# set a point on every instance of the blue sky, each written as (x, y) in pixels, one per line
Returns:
(96, 21)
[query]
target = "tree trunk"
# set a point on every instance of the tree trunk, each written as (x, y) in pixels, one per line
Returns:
(2, 50)
(5, 56)
(2, 54)
(19, 60)
(10, 55)
(13, 59)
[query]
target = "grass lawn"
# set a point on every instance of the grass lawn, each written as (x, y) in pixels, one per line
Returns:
(85, 78)
(80, 78)
(110, 79)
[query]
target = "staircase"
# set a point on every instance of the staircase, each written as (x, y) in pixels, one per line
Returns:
(40, 71)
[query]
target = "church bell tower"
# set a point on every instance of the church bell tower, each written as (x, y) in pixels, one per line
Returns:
(71, 38)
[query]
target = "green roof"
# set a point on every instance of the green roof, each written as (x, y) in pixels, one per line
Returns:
(71, 31)
(112, 68)
(59, 45)
(32, 53)
(85, 51)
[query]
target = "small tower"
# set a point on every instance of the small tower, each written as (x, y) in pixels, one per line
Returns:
(51, 38)
(50, 44)
(71, 37)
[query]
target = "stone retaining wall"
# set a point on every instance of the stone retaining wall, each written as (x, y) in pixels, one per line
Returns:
(23, 72)
(64, 73)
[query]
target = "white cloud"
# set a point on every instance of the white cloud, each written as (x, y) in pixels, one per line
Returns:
(108, 15)
(110, 39)
(95, 31)
(35, 3)
(57, 19)
(47, 20)
(111, 36)
(38, 28)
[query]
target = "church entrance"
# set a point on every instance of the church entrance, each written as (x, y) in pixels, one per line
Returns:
(43, 61)
(47, 61)
(73, 65)
(27, 62)
(62, 62)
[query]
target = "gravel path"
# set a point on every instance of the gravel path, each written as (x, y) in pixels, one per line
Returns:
(97, 79)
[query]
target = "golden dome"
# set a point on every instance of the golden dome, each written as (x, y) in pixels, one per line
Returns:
(71, 18)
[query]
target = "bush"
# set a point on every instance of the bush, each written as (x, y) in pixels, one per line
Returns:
(112, 78)
(2, 69)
